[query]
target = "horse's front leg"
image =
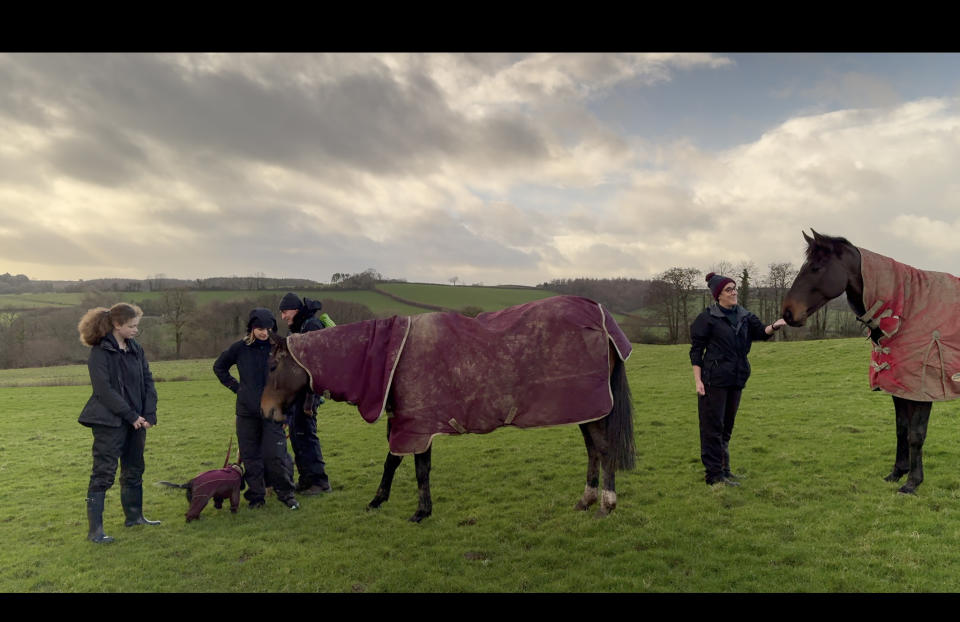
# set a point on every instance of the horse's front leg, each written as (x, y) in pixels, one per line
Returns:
(901, 464)
(590, 491)
(916, 435)
(425, 507)
(383, 491)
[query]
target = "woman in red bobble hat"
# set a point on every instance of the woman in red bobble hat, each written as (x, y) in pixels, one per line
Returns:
(720, 340)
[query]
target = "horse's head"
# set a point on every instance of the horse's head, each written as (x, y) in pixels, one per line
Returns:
(832, 265)
(285, 380)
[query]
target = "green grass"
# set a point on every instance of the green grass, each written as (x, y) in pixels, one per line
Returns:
(38, 301)
(813, 514)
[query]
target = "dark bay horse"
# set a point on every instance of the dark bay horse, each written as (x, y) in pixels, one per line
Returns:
(914, 343)
(552, 362)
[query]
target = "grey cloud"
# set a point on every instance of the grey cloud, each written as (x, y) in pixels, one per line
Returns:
(103, 156)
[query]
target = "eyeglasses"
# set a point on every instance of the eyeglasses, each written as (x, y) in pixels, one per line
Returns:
(730, 288)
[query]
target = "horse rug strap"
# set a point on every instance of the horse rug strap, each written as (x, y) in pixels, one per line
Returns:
(918, 312)
(537, 364)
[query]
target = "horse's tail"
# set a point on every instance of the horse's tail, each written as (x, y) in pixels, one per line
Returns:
(620, 420)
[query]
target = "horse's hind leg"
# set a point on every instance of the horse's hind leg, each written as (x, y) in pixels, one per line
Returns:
(901, 465)
(916, 435)
(383, 491)
(597, 431)
(425, 507)
(590, 492)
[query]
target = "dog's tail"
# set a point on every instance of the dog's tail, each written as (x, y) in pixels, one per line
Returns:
(172, 485)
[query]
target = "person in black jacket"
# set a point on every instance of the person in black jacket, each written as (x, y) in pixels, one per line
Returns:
(122, 407)
(262, 442)
(720, 339)
(300, 316)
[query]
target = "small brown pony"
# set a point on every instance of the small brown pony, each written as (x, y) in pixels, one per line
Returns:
(834, 266)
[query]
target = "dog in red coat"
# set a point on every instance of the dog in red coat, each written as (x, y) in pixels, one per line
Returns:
(218, 484)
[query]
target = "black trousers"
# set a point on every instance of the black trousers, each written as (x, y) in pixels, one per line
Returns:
(718, 411)
(306, 448)
(263, 449)
(111, 445)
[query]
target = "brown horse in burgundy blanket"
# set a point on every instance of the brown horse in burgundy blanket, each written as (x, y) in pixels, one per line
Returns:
(914, 321)
(554, 361)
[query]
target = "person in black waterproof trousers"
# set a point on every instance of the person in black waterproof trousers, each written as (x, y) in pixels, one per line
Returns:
(122, 407)
(262, 442)
(300, 316)
(720, 339)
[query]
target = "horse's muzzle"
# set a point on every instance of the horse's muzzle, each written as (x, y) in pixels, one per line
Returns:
(791, 320)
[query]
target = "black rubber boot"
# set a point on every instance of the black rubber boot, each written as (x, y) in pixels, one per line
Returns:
(131, 498)
(95, 518)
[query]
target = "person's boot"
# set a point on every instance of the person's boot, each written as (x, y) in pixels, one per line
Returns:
(131, 498)
(95, 518)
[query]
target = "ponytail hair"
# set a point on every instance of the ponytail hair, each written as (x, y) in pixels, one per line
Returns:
(98, 322)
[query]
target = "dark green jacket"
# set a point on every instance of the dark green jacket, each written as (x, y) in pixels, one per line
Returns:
(122, 389)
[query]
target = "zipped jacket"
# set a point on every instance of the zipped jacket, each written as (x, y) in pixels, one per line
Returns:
(251, 361)
(122, 384)
(721, 348)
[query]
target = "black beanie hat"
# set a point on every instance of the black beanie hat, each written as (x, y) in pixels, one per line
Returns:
(716, 284)
(290, 301)
(261, 318)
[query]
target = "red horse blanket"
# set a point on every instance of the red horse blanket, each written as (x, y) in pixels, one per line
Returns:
(918, 311)
(538, 364)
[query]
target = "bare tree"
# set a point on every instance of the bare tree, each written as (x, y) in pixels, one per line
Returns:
(176, 308)
(454, 280)
(673, 290)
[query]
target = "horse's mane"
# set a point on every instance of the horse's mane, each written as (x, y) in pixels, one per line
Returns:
(821, 242)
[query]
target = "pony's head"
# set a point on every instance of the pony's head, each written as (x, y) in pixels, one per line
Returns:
(285, 380)
(832, 264)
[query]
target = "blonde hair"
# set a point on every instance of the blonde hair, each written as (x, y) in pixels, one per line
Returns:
(98, 322)
(249, 338)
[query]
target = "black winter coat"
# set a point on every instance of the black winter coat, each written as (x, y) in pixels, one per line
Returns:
(305, 320)
(251, 361)
(721, 348)
(123, 386)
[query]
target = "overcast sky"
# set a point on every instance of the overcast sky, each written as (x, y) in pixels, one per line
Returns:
(494, 168)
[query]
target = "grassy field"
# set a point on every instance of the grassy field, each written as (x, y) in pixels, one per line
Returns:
(38, 301)
(813, 514)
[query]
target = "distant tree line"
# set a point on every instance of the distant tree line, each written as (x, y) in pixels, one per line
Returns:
(174, 326)
(621, 295)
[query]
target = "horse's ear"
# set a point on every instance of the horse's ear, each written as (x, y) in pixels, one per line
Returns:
(817, 236)
(808, 238)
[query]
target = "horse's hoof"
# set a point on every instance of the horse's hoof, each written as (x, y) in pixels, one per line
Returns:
(895, 475)
(602, 513)
(374, 505)
(907, 489)
(582, 506)
(419, 516)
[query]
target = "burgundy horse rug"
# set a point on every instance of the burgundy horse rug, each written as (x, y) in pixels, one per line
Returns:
(918, 312)
(538, 364)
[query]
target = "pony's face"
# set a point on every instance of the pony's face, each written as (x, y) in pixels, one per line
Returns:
(284, 381)
(823, 276)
